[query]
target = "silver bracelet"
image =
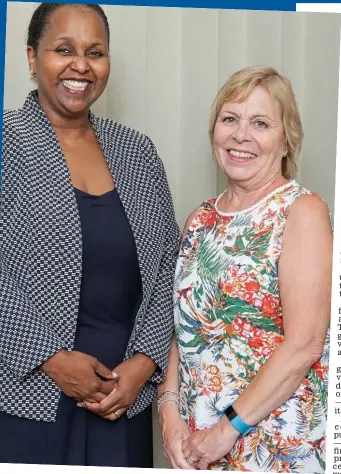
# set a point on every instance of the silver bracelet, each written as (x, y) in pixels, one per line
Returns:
(168, 392)
(168, 395)
(164, 400)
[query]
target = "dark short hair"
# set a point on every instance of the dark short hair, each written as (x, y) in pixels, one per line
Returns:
(42, 14)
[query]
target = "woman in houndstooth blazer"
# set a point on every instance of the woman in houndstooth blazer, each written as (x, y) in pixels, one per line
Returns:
(88, 243)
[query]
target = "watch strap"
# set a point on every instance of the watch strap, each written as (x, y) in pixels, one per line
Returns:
(236, 421)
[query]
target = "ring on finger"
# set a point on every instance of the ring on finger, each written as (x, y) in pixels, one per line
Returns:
(116, 414)
(190, 460)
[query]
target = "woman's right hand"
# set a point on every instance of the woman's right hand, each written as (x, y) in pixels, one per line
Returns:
(174, 431)
(79, 375)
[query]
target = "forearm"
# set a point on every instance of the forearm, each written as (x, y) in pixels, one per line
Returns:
(275, 382)
(169, 410)
(172, 374)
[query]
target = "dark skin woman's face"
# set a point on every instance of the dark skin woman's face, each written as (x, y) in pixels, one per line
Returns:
(72, 63)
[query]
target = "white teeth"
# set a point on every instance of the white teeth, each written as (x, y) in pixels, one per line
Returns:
(241, 154)
(76, 85)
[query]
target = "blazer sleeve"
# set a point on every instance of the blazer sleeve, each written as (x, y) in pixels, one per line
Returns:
(26, 341)
(158, 326)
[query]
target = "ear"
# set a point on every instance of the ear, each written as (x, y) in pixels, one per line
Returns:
(31, 57)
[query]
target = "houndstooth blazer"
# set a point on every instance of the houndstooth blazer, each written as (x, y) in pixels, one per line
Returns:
(41, 254)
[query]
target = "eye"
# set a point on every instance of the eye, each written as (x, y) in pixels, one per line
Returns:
(260, 124)
(95, 54)
(64, 51)
(229, 119)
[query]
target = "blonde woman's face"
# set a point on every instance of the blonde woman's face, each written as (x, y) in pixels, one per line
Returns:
(248, 139)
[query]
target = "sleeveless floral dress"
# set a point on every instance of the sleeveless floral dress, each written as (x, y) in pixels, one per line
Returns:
(228, 321)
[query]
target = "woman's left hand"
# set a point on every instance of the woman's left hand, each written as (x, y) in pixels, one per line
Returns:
(210, 444)
(131, 375)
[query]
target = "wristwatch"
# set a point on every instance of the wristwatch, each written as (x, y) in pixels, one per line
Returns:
(236, 421)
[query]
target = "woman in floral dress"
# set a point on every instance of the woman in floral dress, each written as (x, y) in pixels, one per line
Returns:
(246, 387)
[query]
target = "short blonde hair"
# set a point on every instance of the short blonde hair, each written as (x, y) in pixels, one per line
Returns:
(238, 88)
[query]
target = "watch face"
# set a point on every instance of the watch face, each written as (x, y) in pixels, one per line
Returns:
(236, 421)
(230, 413)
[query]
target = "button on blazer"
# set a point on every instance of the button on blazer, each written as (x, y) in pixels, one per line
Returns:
(41, 254)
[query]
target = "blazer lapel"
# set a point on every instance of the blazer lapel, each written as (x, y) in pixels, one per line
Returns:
(57, 223)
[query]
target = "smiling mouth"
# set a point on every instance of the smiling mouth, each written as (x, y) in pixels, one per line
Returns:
(243, 155)
(76, 85)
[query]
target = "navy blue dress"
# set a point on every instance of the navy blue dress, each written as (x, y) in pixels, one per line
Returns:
(110, 293)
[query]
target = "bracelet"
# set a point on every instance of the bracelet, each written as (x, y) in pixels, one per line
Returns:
(164, 400)
(171, 395)
(168, 396)
(168, 392)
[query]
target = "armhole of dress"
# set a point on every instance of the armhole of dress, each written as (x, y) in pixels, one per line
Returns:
(304, 192)
(200, 209)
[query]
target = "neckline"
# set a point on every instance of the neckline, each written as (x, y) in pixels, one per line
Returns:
(254, 206)
(94, 195)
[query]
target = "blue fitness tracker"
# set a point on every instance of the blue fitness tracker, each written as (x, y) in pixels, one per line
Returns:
(236, 421)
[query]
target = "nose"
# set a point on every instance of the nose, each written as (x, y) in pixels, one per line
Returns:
(80, 64)
(242, 131)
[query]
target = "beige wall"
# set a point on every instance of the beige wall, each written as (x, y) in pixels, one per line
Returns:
(167, 64)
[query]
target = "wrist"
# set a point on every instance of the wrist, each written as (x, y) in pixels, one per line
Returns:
(168, 411)
(227, 429)
(236, 421)
(50, 366)
(145, 366)
(168, 396)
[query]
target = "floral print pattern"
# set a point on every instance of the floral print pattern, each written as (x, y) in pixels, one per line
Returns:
(228, 321)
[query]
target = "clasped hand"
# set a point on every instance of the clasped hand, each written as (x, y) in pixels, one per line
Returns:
(128, 383)
(94, 386)
(199, 449)
(79, 376)
(209, 445)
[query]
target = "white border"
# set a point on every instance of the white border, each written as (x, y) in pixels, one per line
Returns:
(333, 400)
(335, 360)
(318, 7)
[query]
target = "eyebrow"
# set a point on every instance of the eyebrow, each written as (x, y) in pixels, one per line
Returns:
(252, 116)
(68, 38)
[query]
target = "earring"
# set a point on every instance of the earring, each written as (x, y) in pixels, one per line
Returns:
(285, 153)
(32, 74)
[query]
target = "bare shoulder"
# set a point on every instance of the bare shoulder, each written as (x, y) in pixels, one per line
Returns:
(309, 214)
(309, 209)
